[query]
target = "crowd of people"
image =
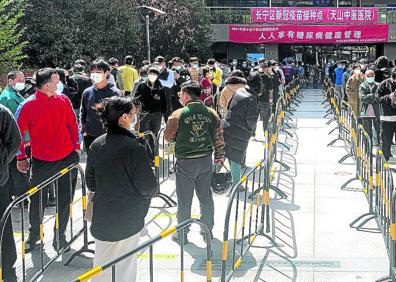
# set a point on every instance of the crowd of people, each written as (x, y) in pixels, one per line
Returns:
(210, 111)
(369, 87)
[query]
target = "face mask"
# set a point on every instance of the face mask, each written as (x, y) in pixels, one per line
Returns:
(59, 87)
(152, 77)
(133, 124)
(370, 79)
(19, 86)
(160, 67)
(244, 65)
(357, 72)
(276, 68)
(144, 78)
(96, 77)
(178, 67)
(195, 66)
(339, 66)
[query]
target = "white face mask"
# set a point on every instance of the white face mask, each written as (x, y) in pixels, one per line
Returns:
(357, 71)
(370, 79)
(97, 77)
(59, 88)
(133, 124)
(19, 86)
(276, 68)
(152, 77)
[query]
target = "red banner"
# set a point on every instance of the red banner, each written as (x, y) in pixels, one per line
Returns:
(314, 15)
(315, 34)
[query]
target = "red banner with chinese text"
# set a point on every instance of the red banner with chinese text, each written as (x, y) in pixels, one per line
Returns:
(313, 34)
(314, 15)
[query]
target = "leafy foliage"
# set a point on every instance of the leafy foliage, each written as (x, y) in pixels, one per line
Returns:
(86, 29)
(11, 45)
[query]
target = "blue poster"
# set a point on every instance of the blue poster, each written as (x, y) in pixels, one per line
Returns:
(254, 57)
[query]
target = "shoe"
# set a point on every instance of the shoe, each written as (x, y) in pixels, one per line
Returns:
(31, 243)
(176, 238)
(62, 244)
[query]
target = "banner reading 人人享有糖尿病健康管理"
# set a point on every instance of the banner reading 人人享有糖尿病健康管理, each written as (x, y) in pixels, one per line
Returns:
(310, 34)
(314, 15)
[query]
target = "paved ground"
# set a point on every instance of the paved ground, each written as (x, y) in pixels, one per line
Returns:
(311, 225)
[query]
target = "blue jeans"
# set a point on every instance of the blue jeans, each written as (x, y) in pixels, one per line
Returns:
(235, 172)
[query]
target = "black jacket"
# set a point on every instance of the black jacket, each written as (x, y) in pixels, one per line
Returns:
(386, 88)
(89, 119)
(153, 99)
(240, 122)
(10, 140)
(119, 173)
(268, 85)
(83, 83)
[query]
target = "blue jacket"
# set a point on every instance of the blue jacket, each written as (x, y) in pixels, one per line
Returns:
(338, 75)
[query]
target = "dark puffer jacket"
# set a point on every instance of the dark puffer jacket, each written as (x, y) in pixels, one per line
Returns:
(240, 122)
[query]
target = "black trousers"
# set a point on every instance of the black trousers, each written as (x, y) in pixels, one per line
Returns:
(151, 122)
(8, 248)
(18, 183)
(388, 129)
(275, 98)
(264, 109)
(42, 170)
(368, 123)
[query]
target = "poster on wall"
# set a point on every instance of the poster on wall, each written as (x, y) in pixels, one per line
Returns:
(310, 34)
(254, 57)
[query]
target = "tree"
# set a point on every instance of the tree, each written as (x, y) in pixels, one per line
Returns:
(11, 45)
(184, 31)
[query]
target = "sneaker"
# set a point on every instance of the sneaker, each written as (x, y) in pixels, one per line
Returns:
(31, 243)
(176, 238)
(62, 243)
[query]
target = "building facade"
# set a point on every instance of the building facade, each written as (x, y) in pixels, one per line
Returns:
(232, 19)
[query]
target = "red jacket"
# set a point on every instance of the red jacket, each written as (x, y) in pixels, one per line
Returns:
(51, 124)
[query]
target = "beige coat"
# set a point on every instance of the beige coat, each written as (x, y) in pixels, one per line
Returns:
(352, 92)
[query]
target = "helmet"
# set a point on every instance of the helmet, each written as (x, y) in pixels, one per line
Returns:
(221, 181)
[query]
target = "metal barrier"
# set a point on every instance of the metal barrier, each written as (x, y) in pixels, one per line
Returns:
(255, 212)
(149, 244)
(380, 193)
(160, 165)
(73, 234)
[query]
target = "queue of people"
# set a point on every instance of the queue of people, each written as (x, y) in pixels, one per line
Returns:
(369, 88)
(102, 105)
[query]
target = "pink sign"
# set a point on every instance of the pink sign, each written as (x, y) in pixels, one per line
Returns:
(309, 33)
(314, 15)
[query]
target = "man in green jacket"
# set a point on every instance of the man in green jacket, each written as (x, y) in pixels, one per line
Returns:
(369, 105)
(18, 182)
(10, 96)
(197, 134)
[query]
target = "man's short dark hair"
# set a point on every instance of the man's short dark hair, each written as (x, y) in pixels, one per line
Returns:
(78, 68)
(13, 74)
(43, 76)
(194, 59)
(211, 61)
(128, 60)
(192, 88)
(160, 59)
(100, 64)
(154, 70)
(113, 61)
(177, 60)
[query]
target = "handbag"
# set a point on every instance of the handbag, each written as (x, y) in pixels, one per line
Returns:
(89, 210)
